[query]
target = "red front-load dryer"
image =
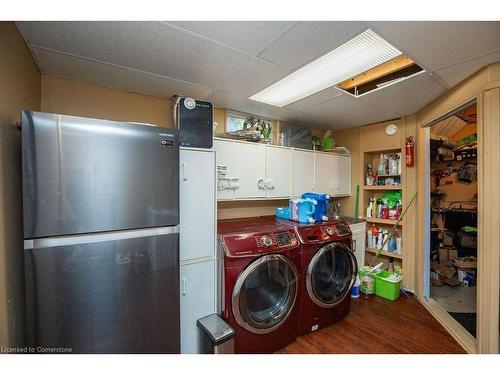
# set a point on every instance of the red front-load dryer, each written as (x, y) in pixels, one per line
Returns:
(328, 268)
(261, 283)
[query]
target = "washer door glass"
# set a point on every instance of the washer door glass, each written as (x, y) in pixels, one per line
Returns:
(331, 274)
(265, 293)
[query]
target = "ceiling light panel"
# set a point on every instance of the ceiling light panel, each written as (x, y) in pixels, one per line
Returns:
(358, 55)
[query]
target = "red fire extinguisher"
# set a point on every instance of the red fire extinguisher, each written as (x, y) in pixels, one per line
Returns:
(410, 147)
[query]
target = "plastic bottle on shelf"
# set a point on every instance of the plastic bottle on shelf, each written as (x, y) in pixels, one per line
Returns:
(369, 212)
(381, 165)
(380, 240)
(369, 176)
(399, 208)
(393, 165)
(386, 241)
(399, 240)
(369, 240)
(375, 232)
(392, 247)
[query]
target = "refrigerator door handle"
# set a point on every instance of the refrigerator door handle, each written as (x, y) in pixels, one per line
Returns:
(184, 172)
(184, 286)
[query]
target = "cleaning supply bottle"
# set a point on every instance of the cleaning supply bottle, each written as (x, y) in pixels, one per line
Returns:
(369, 237)
(380, 240)
(398, 244)
(369, 209)
(386, 241)
(392, 247)
(374, 235)
(355, 292)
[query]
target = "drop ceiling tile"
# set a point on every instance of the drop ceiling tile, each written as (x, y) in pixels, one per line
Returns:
(309, 40)
(307, 120)
(456, 73)
(252, 78)
(436, 45)
(101, 74)
(405, 97)
(247, 36)
(147, 46)
(345, 110)
(312, 100)
(231, 101)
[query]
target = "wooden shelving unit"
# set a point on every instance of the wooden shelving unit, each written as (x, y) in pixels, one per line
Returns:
(383, 221)
(381, 188)
(384, 253)
(377, 191)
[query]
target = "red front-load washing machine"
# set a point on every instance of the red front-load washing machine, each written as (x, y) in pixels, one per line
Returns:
(260, 283)
(328, 268)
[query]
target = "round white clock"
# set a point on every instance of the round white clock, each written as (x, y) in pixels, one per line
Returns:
(391, 129)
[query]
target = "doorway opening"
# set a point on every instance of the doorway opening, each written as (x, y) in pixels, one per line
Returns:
(453, 225)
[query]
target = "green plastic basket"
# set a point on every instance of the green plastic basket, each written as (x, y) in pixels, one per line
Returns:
(387, 288)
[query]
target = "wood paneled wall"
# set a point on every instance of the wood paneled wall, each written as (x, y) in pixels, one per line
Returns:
(19, 89)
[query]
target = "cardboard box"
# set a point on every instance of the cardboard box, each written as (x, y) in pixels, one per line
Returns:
(435, 279)
(442, 274)
(443, 270)
(447, 254)
(464, 262)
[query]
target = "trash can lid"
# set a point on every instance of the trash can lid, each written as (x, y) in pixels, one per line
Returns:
(216, 328)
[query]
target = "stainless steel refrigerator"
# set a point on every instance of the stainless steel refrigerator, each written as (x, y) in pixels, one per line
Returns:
(101, 235)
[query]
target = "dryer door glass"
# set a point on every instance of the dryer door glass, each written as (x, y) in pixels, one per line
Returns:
(265, 294)
(331, 274)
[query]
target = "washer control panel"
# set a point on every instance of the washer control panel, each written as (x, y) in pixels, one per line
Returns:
(284, 239)
(323, 232)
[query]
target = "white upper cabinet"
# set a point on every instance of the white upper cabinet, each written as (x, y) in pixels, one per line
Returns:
(342, 176)
(278, 179)
(197, 204)
(227, 182)
(250, 169)
(257, 171)
(324, 173)
(303, 172)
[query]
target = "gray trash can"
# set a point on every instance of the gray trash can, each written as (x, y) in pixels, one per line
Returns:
(217, 337)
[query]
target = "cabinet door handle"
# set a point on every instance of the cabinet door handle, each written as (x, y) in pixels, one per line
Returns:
(354, 245)
(184, 172)
(184, 286)
(260, 183)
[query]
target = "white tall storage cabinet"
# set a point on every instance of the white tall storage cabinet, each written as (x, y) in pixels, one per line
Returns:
(197, 242)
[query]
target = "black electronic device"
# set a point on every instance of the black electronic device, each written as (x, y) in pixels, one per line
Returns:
(195, 123)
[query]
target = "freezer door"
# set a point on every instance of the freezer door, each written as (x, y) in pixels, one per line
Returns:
(85, 175)
(114, 296)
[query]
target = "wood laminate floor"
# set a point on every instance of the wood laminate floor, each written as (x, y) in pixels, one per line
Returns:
(376, 325)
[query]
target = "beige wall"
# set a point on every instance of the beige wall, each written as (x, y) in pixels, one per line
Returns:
(68, 97)
(351, 140)
(74, 98)
(19, 89)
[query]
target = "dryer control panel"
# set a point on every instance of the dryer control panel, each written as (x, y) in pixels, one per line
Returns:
(239, 245)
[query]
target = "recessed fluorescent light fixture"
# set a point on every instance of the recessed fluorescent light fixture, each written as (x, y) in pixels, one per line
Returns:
(358, 55)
